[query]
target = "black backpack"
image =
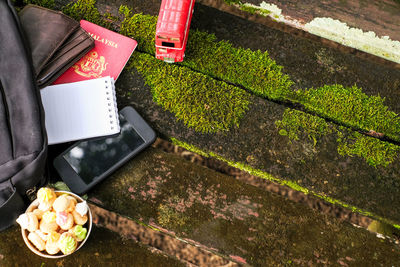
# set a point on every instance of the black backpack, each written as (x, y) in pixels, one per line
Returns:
(23, 140)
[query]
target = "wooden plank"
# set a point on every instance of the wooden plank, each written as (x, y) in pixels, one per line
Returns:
(257, 144)
(103, 248)
(308, 62)
(381, 17)
(227, 216)
(319, 169)
(158, 241)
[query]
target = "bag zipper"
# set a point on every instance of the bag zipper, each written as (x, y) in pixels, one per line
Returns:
(31, 193)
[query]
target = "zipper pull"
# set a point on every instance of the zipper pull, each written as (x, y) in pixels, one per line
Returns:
(31, 193)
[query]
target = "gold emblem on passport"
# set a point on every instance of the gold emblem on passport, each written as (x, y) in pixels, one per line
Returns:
(91, 65)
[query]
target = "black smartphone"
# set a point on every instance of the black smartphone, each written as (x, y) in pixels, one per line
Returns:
(88, 162)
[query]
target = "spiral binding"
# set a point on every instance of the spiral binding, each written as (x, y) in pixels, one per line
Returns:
(112, 103)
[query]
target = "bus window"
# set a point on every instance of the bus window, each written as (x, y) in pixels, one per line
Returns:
(168, 44)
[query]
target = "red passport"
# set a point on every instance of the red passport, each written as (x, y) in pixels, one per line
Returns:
(109, 56)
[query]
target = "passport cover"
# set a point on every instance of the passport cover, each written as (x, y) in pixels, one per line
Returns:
(109, 56)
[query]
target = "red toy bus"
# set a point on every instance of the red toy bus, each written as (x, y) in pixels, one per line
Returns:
(173, 29)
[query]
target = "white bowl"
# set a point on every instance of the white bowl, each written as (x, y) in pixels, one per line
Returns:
(25, 232)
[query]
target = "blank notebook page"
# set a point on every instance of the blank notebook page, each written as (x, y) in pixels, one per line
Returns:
(80, 110)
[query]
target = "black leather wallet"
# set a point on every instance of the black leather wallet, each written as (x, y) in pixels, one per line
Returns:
(56, 41)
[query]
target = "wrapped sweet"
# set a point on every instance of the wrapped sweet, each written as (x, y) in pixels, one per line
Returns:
(39, 213)
(82, 208)
(61, 203)
(65, 220)
(46, 197)
(48, 223)
(72, 203)
(36, 241)
(42, 235)
(79, 232)
(52, 243)
(80, 212)
(67, 243)
(78, 219)
(28, 221)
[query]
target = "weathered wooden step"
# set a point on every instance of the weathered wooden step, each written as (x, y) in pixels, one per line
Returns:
(257, 142)
(308, 63)
(225, 215)
(368, 29)
(381, 17)
(103, 248)
(158, 241)
(257, 145)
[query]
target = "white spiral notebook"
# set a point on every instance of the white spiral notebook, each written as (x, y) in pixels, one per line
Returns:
(80, 110)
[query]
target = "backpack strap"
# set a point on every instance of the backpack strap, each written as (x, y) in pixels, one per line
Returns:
(12, 204)
(23, 140)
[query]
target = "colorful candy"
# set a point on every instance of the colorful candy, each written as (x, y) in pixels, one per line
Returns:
(67, 243)
(56, 224)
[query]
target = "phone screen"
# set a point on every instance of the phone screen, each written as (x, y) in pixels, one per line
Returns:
(91, 158)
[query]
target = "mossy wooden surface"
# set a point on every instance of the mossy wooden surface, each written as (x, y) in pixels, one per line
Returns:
(202, 103)
(353, 107)
(314, 166)
(234, 218)
(374, 151)
(311, 65)
(258, 73)
(103, 248)
(258, 143)
(312, 162)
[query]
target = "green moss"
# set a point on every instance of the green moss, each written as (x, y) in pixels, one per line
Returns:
(265, 12)
(203, 103)
(189, 147)
(170, 218)
(85, 9)
(254, 70)
(44, 3)
(254, 9)
(374, 151)
(231, 2)
(295, 122)
(295, 186)
(140, 27)
(351, 107)
(249, 9)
